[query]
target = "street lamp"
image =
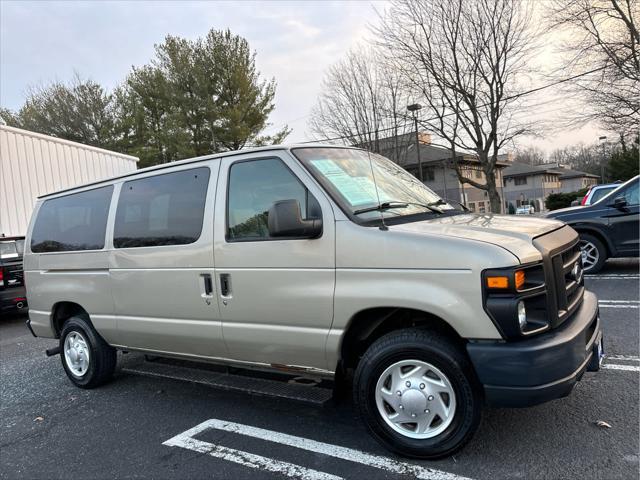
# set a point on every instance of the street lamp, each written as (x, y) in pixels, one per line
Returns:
(413, 108)
(603, 140)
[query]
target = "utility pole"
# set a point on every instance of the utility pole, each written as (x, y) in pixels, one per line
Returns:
(603, 140)
(413, 108)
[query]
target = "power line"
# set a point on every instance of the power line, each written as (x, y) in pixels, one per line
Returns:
(512, 97)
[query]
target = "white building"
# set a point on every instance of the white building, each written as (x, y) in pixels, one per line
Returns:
(32, 164)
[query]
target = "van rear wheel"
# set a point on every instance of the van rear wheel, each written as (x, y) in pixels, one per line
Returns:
(418, 394)
(86, 358)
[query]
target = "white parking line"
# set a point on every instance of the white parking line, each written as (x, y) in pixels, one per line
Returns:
(186, 440)
(629, 358)
(611, 277)
(619, 366)
(619, 303)
(626, 368)
(609, 305)
(251, 460)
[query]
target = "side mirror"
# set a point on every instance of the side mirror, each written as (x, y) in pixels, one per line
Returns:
(285, 220)
(619, 203)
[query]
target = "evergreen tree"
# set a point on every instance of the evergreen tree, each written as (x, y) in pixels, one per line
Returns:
(624, 163)
(195, 97)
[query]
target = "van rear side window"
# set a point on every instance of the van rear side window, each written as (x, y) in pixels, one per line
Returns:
(164, 209)
(73, 222)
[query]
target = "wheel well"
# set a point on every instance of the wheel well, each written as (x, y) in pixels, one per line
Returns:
(369, 325)
(598, 235)
(62, 311)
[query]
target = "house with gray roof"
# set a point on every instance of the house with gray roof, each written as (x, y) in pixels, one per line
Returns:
(574, 180)
(525, 184)
(438, 170)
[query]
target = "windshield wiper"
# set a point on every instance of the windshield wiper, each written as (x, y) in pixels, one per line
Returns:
(383, 206)
(390, 205)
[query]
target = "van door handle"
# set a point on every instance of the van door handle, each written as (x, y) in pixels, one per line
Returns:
(225, 284)
(208, 284)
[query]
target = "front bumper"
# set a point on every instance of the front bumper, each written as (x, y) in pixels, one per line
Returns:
(13, 299)
(545, 367)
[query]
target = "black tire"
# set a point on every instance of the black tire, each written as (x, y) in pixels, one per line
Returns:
(599, 246)
(102, 357)
(433, 348)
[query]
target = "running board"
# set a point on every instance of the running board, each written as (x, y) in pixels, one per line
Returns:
(280, 386)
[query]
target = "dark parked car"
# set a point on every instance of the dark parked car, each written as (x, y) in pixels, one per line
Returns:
(609, 227)
(12, 292)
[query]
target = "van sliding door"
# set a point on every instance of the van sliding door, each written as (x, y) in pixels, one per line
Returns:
(162, 262)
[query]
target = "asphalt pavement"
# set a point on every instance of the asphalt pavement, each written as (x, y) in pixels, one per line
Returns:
(141, 427)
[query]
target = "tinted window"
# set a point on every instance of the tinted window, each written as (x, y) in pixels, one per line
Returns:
(164, 209)
(253, 188)
(632, 193)
(600, 193)
(73, 222)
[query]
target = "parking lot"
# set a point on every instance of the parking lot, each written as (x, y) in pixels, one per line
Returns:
(141, 427)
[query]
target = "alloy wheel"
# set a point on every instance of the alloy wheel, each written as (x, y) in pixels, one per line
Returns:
(590, 254)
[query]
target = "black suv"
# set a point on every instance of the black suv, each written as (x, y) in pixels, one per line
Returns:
(12, 292)
(608, 228)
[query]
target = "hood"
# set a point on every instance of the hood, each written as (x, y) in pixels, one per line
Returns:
(514, 233)
(562, 211)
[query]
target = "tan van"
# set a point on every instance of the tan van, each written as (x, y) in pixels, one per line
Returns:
(319, 258)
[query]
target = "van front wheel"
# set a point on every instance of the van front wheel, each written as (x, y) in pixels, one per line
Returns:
(87, 359)
(417, 394)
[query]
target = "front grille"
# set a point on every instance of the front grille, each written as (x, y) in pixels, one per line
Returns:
(560, 255)
(569, 281)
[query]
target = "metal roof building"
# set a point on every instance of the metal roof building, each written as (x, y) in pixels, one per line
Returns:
(32, 164)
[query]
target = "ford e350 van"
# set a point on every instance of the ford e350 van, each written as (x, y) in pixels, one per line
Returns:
(324, 259)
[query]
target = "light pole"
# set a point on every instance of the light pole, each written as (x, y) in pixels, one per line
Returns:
(603, 140)
(413, 108)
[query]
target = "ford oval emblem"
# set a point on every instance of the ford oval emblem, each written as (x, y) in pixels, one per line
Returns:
(576, 272)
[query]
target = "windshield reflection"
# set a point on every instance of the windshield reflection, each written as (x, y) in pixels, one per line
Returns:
(359, 180)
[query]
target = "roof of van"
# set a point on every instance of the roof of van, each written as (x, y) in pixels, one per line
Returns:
(200, 159)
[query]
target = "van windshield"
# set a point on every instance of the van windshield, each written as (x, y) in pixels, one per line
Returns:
(352, 177)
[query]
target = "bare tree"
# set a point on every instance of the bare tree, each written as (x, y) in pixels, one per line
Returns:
(362, 103)
(464, 58)
(604, 37)
(531, 155)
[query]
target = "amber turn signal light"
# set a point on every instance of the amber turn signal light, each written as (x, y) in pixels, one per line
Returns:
(498, 282)
(519, 279)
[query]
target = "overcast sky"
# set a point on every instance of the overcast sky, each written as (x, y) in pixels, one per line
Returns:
(295, 43)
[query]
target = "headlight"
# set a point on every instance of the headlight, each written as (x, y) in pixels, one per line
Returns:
(515, 299)
(522, 315)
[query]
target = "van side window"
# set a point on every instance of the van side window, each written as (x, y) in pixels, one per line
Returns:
(253, 188)
(165, 209)
(73, 222)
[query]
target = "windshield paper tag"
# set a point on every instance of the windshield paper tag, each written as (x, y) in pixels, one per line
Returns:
(357, 190)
